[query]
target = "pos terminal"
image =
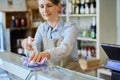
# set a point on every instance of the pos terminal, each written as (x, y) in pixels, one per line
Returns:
(113, 61)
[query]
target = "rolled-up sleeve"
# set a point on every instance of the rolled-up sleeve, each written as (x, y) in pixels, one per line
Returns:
(38, 37)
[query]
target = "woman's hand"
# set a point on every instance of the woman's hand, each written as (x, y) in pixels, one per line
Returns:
(27, 45)
(38, 56)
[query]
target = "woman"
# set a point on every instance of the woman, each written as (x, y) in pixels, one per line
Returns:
(55, 37)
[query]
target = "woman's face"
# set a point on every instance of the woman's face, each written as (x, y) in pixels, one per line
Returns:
(48, 10)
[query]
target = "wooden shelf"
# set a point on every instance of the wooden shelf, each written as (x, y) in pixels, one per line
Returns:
(87, 39)
(82, 15)
(32, 4)
(8, 16)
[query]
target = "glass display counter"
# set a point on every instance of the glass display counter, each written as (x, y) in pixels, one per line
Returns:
(12, 63)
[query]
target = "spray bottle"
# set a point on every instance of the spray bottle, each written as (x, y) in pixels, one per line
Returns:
(34, 46)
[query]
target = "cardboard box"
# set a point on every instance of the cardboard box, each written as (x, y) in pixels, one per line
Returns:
(89, 64)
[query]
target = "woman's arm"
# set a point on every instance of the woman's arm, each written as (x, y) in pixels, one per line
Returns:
(63, 50)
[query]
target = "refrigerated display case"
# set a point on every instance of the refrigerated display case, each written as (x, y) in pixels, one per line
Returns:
(12, 63)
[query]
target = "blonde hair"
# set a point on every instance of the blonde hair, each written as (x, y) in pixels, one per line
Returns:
(56, 2)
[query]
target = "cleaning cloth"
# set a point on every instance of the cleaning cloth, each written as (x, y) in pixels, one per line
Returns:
(32, 63)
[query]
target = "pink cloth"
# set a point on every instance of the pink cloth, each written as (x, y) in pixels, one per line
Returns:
(33, 64)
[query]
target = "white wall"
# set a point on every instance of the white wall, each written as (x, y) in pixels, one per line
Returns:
(118, 21)
(108, 25)
(0, 17)
(1, 33)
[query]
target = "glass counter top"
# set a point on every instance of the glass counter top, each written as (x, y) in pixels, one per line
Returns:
(11, 58)
(11, 61)
(66, 74)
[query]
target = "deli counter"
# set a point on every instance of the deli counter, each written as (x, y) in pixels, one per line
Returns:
(12, 63)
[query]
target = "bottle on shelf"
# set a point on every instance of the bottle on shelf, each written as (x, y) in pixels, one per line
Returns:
(87, 7)
(73, 2)
(70, 7)
(92, 9)
(93, 49)
(82, 7)
(92, 32)
(89, 52)
(12, 22)
(76, 9)
(93, 28)
(94, 4)
(17, 22)
(82, 1)
(84, 50)
(63, 11)
(84, 34)
(87, 49)
(80, 31)
(86, 31)
(20, 50)
(23, 22)
(78, 2)
(78, 6)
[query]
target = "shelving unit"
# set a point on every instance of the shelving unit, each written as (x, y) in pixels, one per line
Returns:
(80, 20)
(19, 15)
(105, 20)
(29, 12)
(17, 32)
(105, 27)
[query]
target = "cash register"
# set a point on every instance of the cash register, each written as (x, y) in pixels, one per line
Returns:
(113, 61)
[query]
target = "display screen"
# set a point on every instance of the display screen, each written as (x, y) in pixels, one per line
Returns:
(113, 64)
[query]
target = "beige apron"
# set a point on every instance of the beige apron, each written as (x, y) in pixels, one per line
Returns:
(50, 43)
